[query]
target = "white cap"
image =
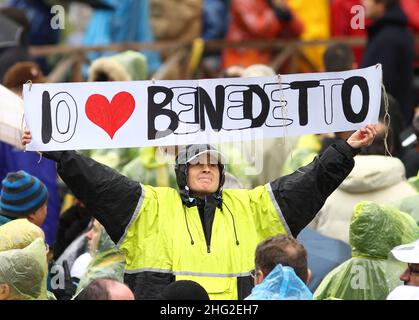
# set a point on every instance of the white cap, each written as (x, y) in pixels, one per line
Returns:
(408, 253)
(404, 293)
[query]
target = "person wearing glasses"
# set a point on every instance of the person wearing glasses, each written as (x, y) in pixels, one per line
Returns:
(281, 270)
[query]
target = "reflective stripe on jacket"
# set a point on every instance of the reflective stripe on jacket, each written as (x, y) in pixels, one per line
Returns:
(167, 237)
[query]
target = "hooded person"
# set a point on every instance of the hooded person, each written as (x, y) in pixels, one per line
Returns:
(102, 260)
(281, 271)
(18, 234)
(201, 232)
(281, 284)
(371, 273)
(23, 272)
(106, 262)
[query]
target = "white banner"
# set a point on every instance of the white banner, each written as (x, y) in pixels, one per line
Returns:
(95, 115)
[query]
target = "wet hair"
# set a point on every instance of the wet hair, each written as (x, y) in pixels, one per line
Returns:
(338, 57)
(284, 250)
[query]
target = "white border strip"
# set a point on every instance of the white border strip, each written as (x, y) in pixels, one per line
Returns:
(190, 273)
(134, 216)
(278, 209)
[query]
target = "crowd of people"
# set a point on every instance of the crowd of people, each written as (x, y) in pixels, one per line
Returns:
(331, 216)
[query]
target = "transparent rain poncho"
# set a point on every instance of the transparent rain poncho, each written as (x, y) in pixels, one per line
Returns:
(370, 274)
(281, 284)
(409, 205)
(18, 234)
(107, 262)
(25, 271)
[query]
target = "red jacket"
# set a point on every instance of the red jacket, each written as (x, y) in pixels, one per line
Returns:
(251, 20)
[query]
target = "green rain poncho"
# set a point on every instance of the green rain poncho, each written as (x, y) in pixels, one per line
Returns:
(370, 274)
(25, 271)
(107, 262)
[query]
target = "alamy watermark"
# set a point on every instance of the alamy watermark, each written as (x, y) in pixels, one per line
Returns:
(358, 19)
(58, 20)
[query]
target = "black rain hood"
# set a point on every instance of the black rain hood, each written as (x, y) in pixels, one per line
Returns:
(183, 159)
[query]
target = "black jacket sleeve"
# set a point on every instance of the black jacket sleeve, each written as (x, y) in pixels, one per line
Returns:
(110, 196)
(303, 193)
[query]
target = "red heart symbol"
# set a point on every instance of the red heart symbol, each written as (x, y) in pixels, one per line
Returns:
(110, 116)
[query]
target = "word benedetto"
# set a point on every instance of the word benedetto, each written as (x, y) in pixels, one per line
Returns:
(96, 115)
(233, 108)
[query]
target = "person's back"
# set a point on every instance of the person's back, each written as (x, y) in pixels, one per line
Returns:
(281, 284)
(18, 234)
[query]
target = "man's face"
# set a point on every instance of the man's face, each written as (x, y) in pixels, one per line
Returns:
(373, 9)
(203, 176)
(410, 276)
(93, 237)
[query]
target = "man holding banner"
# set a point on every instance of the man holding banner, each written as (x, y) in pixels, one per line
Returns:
(202, 232)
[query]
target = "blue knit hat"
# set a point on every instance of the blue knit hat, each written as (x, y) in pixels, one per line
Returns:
(21, 194)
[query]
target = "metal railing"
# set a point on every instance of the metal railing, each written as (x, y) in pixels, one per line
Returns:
(71, 59)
